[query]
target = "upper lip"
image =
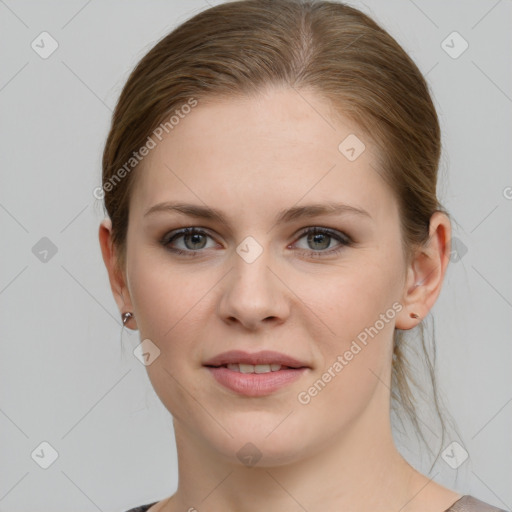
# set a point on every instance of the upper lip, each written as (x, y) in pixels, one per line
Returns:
(263, 357)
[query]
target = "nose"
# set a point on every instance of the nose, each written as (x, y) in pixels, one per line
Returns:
(253, 293)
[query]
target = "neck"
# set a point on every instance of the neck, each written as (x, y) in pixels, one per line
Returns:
(356, 469)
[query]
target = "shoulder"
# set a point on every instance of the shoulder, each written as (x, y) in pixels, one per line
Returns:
(142, 508)
(471, 504)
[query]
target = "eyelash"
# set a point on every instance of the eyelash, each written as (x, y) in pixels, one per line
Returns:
(345, 241)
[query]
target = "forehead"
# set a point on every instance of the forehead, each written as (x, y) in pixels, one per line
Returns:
(263, 153)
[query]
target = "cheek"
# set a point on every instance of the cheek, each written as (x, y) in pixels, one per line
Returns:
(359, 305)
(353, 297)
(357, 360)
(166, 297)
(169, 313)
(171, 304)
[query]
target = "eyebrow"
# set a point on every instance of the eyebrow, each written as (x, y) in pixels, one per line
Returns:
(291, 214)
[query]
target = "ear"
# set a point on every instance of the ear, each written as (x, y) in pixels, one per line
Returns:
(425, 273)
(115, 274)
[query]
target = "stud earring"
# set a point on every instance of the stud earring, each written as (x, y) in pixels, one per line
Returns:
(126, 316)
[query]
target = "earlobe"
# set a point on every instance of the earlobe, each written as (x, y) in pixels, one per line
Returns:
(412, 312)
(115, 275)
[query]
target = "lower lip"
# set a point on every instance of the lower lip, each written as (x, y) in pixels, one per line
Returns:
(255, 384)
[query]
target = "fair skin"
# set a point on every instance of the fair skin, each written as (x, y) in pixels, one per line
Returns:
(251, 158)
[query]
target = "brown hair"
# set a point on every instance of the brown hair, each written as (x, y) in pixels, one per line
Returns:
(241, 47)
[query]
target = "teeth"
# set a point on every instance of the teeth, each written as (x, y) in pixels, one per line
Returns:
(254, 368)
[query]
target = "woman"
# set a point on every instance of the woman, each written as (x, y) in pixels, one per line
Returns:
(273, 227)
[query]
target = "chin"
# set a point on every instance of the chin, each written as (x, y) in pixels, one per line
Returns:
(259, 438)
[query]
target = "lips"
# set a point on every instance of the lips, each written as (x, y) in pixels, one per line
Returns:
(265, 357)
(257, 374)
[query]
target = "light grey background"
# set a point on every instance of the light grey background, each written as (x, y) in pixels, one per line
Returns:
(64, 379)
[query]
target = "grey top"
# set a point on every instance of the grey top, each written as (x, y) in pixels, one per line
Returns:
(467, 503)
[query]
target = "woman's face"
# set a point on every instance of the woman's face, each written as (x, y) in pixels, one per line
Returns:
(256, 282)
